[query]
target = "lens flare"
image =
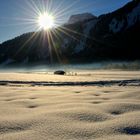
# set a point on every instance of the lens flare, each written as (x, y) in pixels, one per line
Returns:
(46, 21)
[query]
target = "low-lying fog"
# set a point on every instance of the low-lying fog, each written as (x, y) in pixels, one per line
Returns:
(135, 65)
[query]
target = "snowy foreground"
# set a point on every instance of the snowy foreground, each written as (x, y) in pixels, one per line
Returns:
(86, 105)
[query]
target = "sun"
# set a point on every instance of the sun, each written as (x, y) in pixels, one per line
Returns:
(46, 21)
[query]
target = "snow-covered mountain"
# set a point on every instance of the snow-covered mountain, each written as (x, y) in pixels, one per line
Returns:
(127, 21)
(113, 36)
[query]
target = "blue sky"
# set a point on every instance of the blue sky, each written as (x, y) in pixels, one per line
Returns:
(20, 16)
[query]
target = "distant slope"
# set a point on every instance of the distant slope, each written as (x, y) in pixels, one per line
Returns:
(114, 36)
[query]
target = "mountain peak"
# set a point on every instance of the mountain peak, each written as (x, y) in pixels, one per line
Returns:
(80, 17)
